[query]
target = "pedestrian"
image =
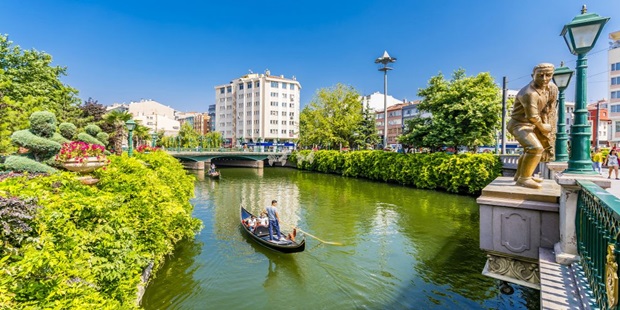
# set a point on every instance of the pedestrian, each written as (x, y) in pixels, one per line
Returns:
(612, 163)
(274, 220)
(597, 160)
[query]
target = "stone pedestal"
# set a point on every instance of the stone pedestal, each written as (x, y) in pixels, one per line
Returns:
(554, 168)
(514, 222)
(566, 249)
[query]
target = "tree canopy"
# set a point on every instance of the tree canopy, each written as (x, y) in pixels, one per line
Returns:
(29, 83)
(335, 117)
(465, 112)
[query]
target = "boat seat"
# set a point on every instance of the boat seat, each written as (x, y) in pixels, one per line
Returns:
(262, 231)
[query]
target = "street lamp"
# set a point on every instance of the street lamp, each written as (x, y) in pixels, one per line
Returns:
(580, 36)
(154, 139)
(131, 125)
(561, 78)
(385, 60)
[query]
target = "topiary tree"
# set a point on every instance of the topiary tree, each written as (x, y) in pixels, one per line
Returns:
(91, 135)
(37, 143)
(67, 130)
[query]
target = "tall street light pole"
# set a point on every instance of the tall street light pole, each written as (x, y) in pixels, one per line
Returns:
(385, 60)
(561, 78)
(580, 36)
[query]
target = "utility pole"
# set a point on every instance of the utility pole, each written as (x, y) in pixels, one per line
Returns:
(598, 123)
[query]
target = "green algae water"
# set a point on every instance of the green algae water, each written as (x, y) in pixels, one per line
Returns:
(403, 249)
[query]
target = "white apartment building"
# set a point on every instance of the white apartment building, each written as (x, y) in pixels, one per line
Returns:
(258, 108)
(376, 101)
(613, 63)
(156, 116)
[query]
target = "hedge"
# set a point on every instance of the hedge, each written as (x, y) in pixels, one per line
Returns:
(461, 173)
(22, 163)
(92, 243)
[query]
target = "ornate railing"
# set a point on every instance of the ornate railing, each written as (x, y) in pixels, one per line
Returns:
(597, 224)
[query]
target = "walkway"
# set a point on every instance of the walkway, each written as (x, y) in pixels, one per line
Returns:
(615, 184)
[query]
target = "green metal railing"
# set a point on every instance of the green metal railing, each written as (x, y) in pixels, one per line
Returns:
(597, 225)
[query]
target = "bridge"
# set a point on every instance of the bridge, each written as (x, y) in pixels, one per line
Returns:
(196, 158)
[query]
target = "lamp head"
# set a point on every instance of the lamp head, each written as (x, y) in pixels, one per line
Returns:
(582, 32)
(130, 124)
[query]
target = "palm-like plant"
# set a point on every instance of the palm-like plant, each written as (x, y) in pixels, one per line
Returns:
(117, 120)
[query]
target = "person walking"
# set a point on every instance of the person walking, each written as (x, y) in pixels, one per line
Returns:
(597, 160)
(274, 220)
(612, 163)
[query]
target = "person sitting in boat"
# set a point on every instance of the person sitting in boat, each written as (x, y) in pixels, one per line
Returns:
(212, 168)
(262, 221)
(251, 223)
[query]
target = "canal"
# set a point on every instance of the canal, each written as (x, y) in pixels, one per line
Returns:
(403, 249)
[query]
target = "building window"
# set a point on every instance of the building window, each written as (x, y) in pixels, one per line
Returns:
(222, 90)
(283, 113)
(617, 126)
(273, 131)
(283, 95)
(615, 80)
(283, 131)
(615, 108)
(273, 122)
(240, 86)
(257, 94)
(275, 95)
(228, 89)
(257, 84)
(615, 67)
(256, 103)
(249, 95)
(256, 122)
(274, 103)
(274, 84)
(222, 99)
(249, 85)
(240, 96)
(292, 86)
(291, 105)
(284, 104)
(273, 113)
(615, 95)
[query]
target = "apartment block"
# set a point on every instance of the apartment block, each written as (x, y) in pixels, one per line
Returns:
(258, 108)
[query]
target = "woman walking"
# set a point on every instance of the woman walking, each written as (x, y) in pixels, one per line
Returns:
(612, 163)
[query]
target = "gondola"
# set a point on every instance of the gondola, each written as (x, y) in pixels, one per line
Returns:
(214, 174)
(262, 237)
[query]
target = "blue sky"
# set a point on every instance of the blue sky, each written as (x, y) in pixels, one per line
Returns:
(175, 52)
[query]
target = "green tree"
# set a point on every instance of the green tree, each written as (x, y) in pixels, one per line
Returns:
(189, 136)
(366, 133)
(465, 112)
(333, 117)
(29, 83)
(116, 119)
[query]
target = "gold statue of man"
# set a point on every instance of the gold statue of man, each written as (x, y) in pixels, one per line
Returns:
(532, 123)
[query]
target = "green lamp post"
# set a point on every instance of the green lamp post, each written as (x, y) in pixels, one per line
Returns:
(154, 139)
(561, 78)
(580, 36)
(131, 125)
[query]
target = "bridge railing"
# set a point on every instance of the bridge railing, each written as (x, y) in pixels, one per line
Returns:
(597, 225)
(223, 149)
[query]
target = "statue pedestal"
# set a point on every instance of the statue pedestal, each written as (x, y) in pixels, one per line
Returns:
(514, 222)
(566, 250)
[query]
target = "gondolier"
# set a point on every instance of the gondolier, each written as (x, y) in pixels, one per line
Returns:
(274, 220)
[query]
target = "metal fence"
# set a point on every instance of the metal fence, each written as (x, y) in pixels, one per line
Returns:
(597, 224)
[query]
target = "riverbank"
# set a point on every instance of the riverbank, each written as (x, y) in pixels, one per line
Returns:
(87, 246)
(454, 173)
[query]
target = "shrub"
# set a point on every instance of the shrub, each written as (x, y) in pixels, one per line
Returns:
(43, 123)
(95, 241)
(21, 163)
(16, 217)
(103, 137)
(462, 173)
(67, 130)
(41, 147)
(92, 130)
(84, 137)
(59, 138)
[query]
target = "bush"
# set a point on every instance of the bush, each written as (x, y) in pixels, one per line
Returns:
(67, 130)
(92, 130)
(16, 217)
(462, 173)
(84, 137)
(41, 147)
(59, 138)
(103, 138)
(43, 124)
(21, 163)
(95, 241)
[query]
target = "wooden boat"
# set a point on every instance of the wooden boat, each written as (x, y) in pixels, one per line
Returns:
(214, 174)
(262, 237)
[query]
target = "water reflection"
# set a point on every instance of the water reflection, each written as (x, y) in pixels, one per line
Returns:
(404, 248)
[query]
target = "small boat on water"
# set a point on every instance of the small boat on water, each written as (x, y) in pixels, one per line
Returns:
(214, 174)
(262, 237)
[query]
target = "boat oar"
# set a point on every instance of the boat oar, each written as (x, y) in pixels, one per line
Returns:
(315, 237)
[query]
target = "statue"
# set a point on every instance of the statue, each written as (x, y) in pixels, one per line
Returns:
(532, 123)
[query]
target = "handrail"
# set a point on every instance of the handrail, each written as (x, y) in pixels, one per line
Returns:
(597, 224)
